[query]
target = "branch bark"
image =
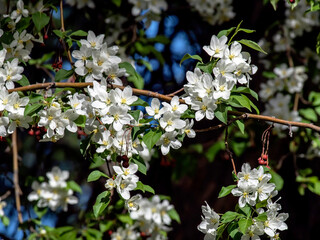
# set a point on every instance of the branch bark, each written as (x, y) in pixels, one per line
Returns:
(17, 189)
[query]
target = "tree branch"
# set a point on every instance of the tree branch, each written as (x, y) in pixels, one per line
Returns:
(17, 189)
(166, 99)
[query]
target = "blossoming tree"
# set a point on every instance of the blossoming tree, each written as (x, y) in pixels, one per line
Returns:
(107, 80)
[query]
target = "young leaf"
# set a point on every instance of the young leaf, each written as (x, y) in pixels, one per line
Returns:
(140, 102)
(225, 32)
(24, 81)
(252, 44)
(63, 74)
(95, 175)
(144, 188)
(40, 20)
(244, 224)
(79, 33)
(226, 191)
(229, 216)
(174, 215)
(101, 203)
(141, 164)
(240, 125)
(74, 186)
(246, 30)
(135, 77)
(151, 138)
(31, 109)
(188, 56)
(125, 218)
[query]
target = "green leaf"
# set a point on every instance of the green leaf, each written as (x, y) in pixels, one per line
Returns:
(276, 179)
(243, 100)
(5, 220)
(95, 175)
(188, 56)
(24, 81)
(135, 78)
(233, 230)
(261, 217)
(309, 114)
(206, 67)
(225, 32)
(220, 230)
(23, 24)
(252, 44)
(63, 74)
(31, 109)
(141, 164)
(214, 150)
(244, 224)
(74, 186)
(97, 161)
(40, 212)
(240, 125)
(229, 216)
(101, 203)
(79, 33)
(222, 113)
(40, 20)
(81, 121)
(274, 4)
(246, 210)
(135, 114)
(226, 190)
(117, 2)
(125, 218)
(314, 97)
(151, 138)
(261, 204)
(246, 30)
(144, 188)
(59, 33)
(269, 75)
(246, 90)
(146, 64)
(174, 215)
(140, 102)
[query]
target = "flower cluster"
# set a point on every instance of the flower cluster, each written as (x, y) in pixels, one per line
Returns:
(152, 217)
(214, 12)
(21, 44)
(125, 181)
(232, 67)
(287, 79)
(13, 108)
(54, 193)
(168, 118)
(96, 61)
(253, 189)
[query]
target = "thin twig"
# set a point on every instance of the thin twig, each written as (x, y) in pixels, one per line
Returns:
(17, 189)
(5, 195)
(243, 116)
(176, 92)
(63, 30)
(229, 152)
(47, 72)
